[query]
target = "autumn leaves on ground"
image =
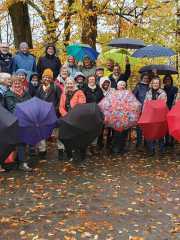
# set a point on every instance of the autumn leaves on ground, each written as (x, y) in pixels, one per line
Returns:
(104, 198)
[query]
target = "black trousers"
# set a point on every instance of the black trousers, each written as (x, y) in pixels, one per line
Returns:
(119, 140)
(78, 153)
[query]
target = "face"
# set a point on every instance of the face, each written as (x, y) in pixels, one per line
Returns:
(146, 79)
(87, 62)
(71, 60)
(155, 84)
(79, 79)
(50, 51)
(105, 85)
(99, 73)
(167, 81)
(34, 81)
(92, 81)
(121, 86)
(110, 64)
(22, 76)
(4, 48)
(8, 82)
(70, 85)
(24, 48)
(46, 80)
(116, 70)
(64, 73)
(17, 82)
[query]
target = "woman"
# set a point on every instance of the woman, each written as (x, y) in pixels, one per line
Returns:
(119, 139)
(5, 84)
(69, 99)
(48, 92)
(22, 74)
(18, 94)
(140, 93)
(33, 84)
(92, 91)
(62, 77)
(50, 60)
(155, 93)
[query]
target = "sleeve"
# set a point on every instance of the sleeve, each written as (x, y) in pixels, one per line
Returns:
(34, 65)
(135, 91)
(14, 66)
(62, 109)
(82, 97)
(58, 68)
(39, 70)
(9, 104)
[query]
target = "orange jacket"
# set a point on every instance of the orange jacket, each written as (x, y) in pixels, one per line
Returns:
(78, 98)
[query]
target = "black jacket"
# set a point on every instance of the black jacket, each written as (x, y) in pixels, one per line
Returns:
(171, 92)
(93, 95)
(123, 77)
(51, 62)
(140, 91)
(6, 62)
(53, 95)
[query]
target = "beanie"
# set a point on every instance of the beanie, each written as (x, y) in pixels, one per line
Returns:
(48, 72)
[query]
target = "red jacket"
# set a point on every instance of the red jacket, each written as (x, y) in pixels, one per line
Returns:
(78, 98)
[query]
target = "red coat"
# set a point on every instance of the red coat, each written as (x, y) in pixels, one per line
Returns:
(78, 98)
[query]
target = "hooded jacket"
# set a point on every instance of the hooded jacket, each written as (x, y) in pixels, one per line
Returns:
(6, 62)
(33, 89)
(109, 90)
(49, 61)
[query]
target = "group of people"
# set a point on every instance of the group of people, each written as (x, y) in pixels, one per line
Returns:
(68, 85)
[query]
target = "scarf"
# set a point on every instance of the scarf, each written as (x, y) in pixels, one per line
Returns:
(92, 87)
(18, 90)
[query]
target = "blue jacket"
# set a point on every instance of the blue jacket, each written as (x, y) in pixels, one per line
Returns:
(140, 91)
(24, 61)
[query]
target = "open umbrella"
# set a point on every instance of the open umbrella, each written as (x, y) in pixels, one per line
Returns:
(162, 69)
(128, 43)
(81, 125)
(152, 51)
(8, 127)
(37, 119)
(79, 51)
(173, 119)
(121, 110)
(153, 120)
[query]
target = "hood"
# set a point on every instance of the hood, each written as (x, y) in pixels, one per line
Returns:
(20, 70)
(102, 80)
(32, 75)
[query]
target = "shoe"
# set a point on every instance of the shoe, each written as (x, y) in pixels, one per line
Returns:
(61, 154)
(42, 154)
(25, 167)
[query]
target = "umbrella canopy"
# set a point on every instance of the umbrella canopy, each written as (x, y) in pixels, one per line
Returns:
(127, 43)
(79, 51)
(37, 119)
(173, 119)
(153, 120)
(121, 110)
(8, 127)
(162, 69)
(151, 51)
(82, 124)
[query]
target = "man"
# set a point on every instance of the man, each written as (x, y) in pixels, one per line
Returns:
(24, 60)
(71, 66)
(99, 74)
(109, 67)
(5, 58)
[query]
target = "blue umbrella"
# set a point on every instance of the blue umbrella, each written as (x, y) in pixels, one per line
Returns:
(127, 43)
(162, 69)
(79, 51)
(153, 51)
(37, 119)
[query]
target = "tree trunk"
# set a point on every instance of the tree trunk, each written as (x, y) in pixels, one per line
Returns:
(89, 23)
(67, 27)
(21, 23)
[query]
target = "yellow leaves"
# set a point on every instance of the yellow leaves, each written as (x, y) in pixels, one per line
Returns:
(136, 238)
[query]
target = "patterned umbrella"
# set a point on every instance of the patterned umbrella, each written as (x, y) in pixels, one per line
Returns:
(153, 51)
(121, 110)
(79, 51)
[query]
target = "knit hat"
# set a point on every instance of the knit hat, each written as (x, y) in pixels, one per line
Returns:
(21, 71)
(48, 72)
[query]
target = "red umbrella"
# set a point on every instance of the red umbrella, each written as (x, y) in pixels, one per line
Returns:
(153, 120)
(173, 119)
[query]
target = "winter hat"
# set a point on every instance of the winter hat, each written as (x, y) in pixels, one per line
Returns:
(21, 71)
(48, 72)
(99, 68)
(79, 74)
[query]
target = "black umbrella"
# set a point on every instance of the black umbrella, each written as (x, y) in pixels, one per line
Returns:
(162, 69)
(8, 127)
(82, 125)
(127, 43)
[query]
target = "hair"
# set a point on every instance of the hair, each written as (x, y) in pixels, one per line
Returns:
(168, 76)
(156, 78)
(4, 76)
(50, 45)
(65, 67)
(144, 74)
(69, 80)
(92, 75)
(15, 78)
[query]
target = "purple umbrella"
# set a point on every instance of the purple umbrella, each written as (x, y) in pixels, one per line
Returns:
(37, 119)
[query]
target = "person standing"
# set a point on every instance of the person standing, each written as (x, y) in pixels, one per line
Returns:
(5, 58)
(88, 68)
(109, 67)
(155, 93)
(71, 66)
(24, 60)
(17, 94)
(5, 84)
(140, 93)
(117, 74)
(80, 80)
(49, 60)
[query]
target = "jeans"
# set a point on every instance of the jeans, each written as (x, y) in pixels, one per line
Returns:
(21, 150)
(152, 145)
